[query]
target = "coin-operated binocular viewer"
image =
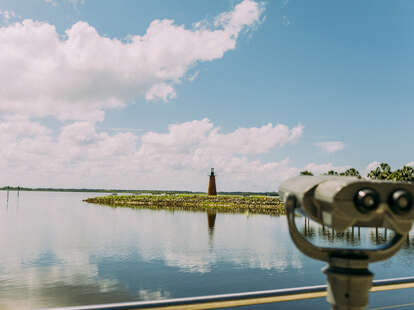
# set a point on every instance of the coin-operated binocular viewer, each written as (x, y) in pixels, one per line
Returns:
(341, 202)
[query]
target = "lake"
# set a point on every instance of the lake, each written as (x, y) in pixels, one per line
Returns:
(59, 251)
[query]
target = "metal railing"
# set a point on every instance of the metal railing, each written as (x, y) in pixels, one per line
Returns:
(242, 299)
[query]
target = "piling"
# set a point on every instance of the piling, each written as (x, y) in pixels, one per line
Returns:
(212, 191)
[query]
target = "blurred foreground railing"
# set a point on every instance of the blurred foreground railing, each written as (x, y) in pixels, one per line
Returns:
(242, 299)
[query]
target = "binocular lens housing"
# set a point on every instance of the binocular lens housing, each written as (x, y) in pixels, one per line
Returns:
(400, 201)
(341, 202)
(366, 200)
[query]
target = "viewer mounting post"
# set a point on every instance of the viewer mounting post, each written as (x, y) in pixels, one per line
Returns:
(212, 184)
(340, 203)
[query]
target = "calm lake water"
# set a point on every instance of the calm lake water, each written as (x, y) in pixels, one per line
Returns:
(58, 251)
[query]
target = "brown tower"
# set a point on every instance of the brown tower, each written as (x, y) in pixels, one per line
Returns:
(212, 184)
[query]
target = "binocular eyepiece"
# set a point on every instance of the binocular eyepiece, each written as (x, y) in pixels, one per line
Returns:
(367, 199)
(340, 202)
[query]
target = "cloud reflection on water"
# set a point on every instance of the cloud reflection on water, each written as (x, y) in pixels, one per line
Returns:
(62, 252)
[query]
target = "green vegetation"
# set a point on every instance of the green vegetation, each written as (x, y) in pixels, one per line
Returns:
(351, 172)
(382, 172)
(196, 202)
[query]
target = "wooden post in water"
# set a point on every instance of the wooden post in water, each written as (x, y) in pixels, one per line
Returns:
(212, 191)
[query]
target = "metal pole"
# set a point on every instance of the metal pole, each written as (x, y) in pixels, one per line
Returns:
(349, 282)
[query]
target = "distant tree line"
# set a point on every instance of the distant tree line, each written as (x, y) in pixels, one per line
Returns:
(93, 190)
(130, 191)
(250, 193)
(382, 172)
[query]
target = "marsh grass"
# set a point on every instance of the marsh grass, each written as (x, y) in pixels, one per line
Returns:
(196, 202)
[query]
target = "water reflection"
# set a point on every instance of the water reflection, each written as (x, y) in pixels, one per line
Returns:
(62, 252)
(211, 222)
(353, 236)
(327, 235)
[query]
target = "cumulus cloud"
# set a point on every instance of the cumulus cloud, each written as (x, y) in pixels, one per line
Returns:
(80, 155)
(410, 164)
(161, 91)
(6, 16)
(331, 146)
(324, 168)
(81, 74)
(202, 135)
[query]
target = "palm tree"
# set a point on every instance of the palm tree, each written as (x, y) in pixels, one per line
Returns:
(351, 172)
(383, 172)
(406, 173)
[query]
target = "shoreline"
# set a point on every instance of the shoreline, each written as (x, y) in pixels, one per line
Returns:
(221, 203)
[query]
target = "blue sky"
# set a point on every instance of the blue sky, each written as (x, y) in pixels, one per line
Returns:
(339, 72)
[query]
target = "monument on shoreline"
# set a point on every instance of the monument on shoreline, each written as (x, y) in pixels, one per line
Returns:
(212, 191)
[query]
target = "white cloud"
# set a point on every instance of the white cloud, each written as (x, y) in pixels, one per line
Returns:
(324, 168)
(79, 155)
(75, 3)
(247, 12)
(6, 16)
(124, 129)
(161, 91)
(202, 136)
(331, 146)
(410, 164)
(81, 74)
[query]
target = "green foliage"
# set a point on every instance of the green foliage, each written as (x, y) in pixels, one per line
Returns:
(404, 174)
(351, 172)
(306, 172)
(384, 172)
(331, 172)
(220, 203)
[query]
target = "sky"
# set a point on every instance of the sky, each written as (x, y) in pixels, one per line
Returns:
(151, 94)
